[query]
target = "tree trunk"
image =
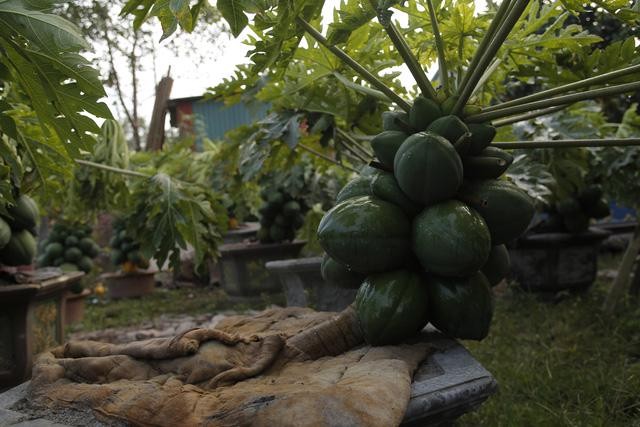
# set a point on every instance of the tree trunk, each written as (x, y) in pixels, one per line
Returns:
(133, 62)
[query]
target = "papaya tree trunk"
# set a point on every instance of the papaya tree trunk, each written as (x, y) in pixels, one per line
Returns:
(330, 338)
(622, 280)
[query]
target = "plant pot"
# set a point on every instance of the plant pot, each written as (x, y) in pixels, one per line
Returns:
(304, 286)
(552, 262)
(130, 285)
(242, 266)
(31, 320)
(74, 306)
(245, 232)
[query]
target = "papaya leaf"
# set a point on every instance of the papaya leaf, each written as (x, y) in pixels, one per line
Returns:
(40, 54)
(233, 12)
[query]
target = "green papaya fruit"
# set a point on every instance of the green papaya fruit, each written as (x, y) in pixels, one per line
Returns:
(277, 233)
(450, 239)
(42, 261)
(396, 120)
(5, 233)
(95, 250)
(497, 266)
(72, 254)
(86, 245)
(337, 274)
(392, 306)
(385, 187)
(461, 307)
(448, 104)
(24, 214)
(481, 136)
(386, 144)
(450, 128)
(281, 221)
(599, 210)
(366, 234)
(20, 250)
(428, 169)
(54, 250)
(470, 110)
(505, 208)
(423, 112)
(291, 209)
(276, 199)
(58, 262)
(85, 264)
(265, 222)
(489, 164)
(118, 257)
(134, 257)
(358, 187)
(71, 241)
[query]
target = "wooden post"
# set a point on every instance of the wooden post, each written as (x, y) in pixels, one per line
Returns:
(155, 137)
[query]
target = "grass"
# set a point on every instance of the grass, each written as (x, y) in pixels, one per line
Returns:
(183, 301)
(561, 362)
(558, 362)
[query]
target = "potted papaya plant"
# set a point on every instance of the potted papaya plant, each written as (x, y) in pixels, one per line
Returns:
(560, 249)
(442, 204)
(69, 246)
(133, 278)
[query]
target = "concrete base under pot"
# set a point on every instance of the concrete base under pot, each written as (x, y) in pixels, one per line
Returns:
(552, 262)
(304, 287)
(242, 267)
(130, 285)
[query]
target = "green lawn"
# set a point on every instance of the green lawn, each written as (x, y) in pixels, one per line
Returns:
(189, 301)
(561, 362)
(558, 362)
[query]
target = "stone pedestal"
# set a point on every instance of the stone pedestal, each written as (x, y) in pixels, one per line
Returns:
(304, 287)
(242, 266)
(31, 320)
(551, 262)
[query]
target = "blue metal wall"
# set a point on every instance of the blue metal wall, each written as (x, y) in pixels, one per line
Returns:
(214, 119)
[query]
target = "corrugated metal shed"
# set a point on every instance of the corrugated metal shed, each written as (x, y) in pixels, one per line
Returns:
(210, 117)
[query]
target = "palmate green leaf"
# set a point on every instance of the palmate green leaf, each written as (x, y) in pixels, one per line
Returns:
(233, 11)
(622, 9)
(171, 13)
(170, 214)
(40, 52)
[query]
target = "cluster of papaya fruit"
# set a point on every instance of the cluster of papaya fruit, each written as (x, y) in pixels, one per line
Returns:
(422, 234)
(70, 247)
(281, 215)
(574, 213)
(17, 232)
(125, 251)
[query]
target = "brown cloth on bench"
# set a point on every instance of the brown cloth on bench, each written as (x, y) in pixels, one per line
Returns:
(184, 381)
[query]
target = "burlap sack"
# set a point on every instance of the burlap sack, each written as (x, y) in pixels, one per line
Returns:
(189, 380)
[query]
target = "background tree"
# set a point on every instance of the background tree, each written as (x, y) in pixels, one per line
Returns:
(124, 51)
